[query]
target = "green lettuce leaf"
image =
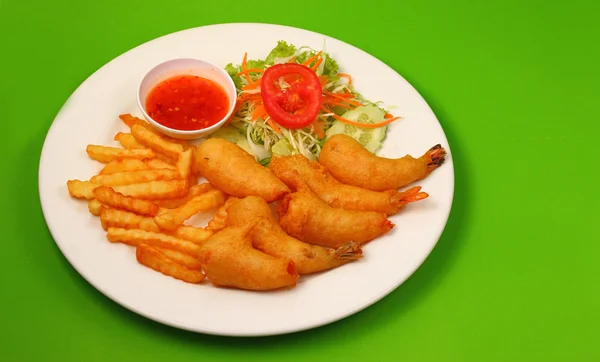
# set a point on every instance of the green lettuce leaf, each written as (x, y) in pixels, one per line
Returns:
(331, 67)
(256, 64)
(282, 50)
(233, 71)
(302, 57)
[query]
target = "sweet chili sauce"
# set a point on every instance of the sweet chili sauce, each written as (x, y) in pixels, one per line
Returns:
(187, 102)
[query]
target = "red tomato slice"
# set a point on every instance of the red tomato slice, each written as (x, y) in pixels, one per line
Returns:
(294, 107)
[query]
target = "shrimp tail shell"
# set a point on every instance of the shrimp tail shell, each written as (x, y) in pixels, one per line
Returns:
(437, 156)
(411, 195)
(348, 251)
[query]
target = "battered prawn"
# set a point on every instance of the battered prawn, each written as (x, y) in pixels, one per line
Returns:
(271, 239)
(337, 194)
(234, 171)
(303, 215)
(351, 163)
(229, 260)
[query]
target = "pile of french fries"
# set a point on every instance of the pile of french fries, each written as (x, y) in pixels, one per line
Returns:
(143, 195)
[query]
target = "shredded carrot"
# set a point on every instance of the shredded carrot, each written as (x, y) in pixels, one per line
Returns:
(251, 70)
(318, 128)
(323, 79)
(345, 95)
(251, 96)
(316, 65)
(347, 76)
(388, 116)
(257, 113)
(252, 85)
(292, 60)
(244, 65)
(358, 124)
(308, 61)
(273, 125)
(345, 99)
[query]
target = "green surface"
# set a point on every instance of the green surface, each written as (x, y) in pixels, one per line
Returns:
(515, 276)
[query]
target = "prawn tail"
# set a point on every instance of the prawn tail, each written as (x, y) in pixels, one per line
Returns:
(388, 225)
(436, 156)
(406, 197)
(348, 251)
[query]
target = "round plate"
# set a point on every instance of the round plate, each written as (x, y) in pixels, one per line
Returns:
(90, 117)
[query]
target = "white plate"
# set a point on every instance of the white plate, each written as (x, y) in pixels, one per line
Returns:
(90, 117)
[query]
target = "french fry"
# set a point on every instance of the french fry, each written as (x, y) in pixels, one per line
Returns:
(126, 220)
(156, 260)
(219, 219)
(197, 235)
(130, 120)
(164, 158)
(184, 163)
(158, 164)
(136, 237)
(155, 142)
(155, 190)
(128, 141)
(174, 218)
(108, 154)
(95, 207)
(193, 234)
(180, 258)
(125, 164)
(111, 198)
(194, 191)
(81, 189)
(134, 177)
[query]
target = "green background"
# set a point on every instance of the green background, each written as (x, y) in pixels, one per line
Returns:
(514, 276)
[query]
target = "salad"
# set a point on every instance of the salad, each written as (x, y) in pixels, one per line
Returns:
(292, 101)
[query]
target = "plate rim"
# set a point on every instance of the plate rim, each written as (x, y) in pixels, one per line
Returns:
(282, 331)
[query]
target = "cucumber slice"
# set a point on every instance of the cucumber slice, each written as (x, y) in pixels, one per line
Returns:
(371, 138)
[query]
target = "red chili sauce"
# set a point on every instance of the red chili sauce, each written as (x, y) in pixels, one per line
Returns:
(187, 103)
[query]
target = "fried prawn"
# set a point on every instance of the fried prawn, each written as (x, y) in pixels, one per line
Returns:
(351, 163)
(337, 194)
(229, 260)
(303, 215)
(268, 237)
(234, 171)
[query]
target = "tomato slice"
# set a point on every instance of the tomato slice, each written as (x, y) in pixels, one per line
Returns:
(294, 107)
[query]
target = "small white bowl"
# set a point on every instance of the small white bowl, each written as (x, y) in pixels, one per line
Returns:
(186, 66)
